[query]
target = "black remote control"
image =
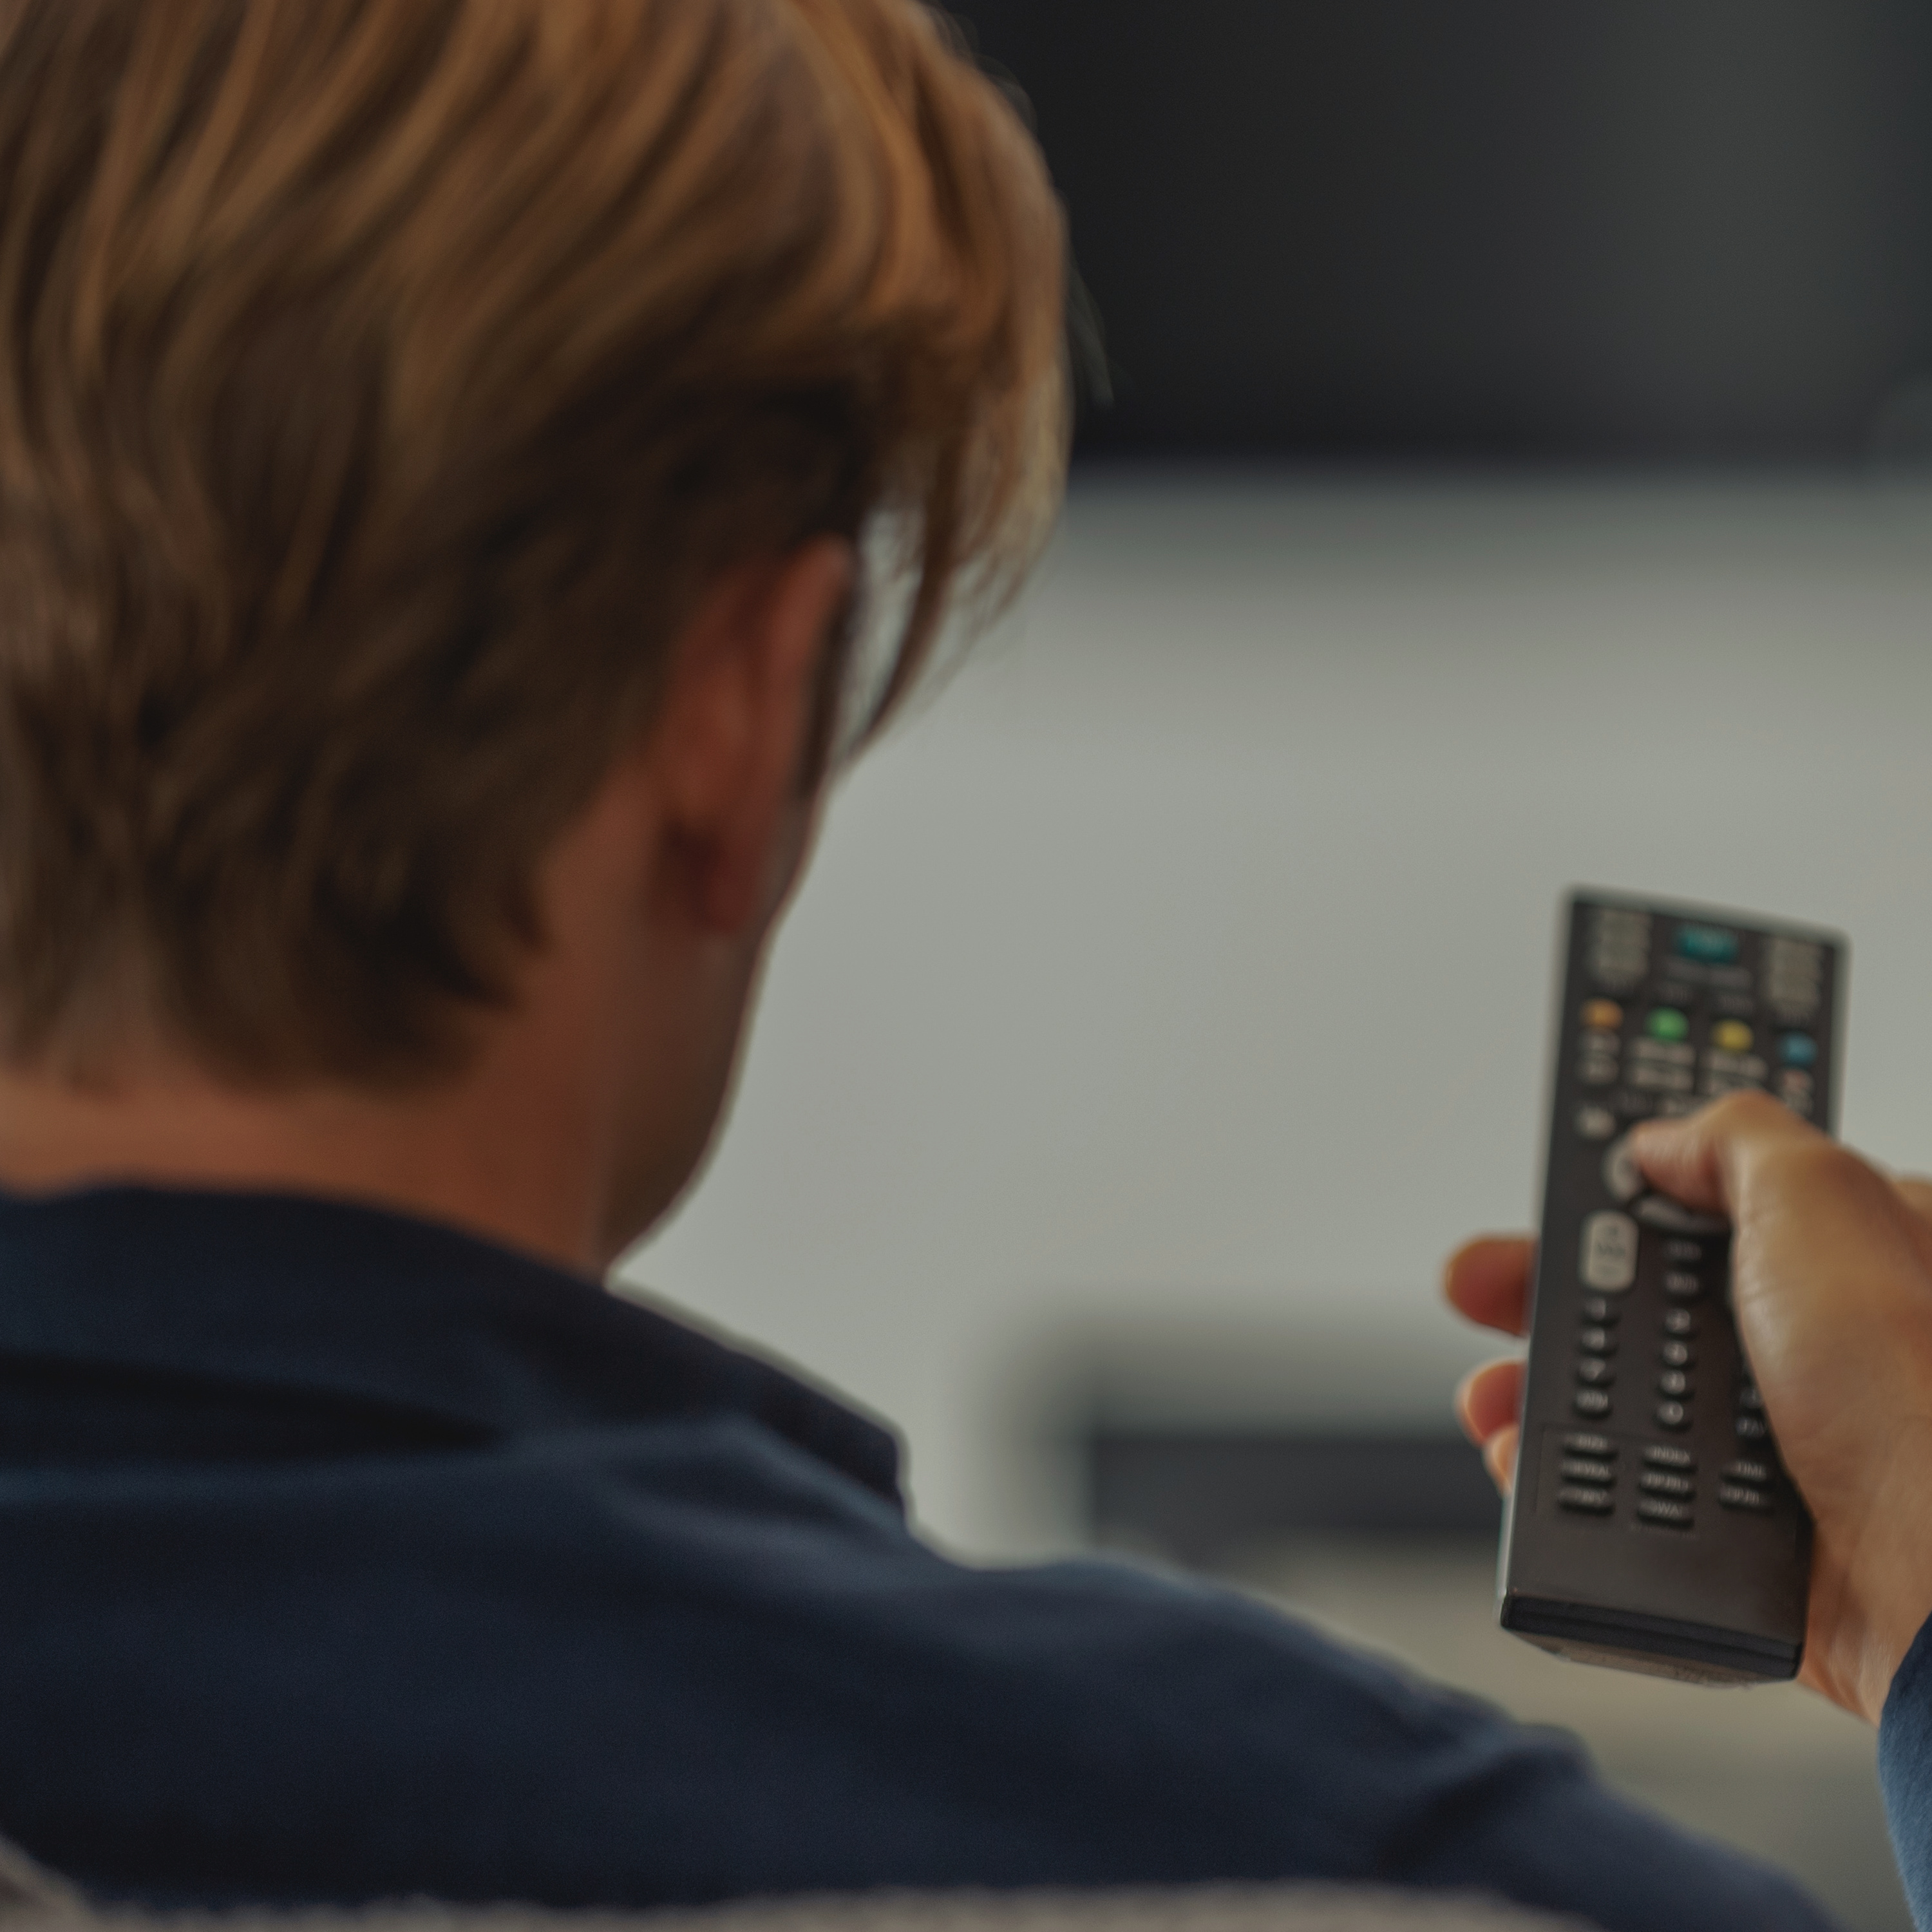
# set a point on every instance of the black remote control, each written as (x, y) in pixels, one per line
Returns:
(1651, 1526)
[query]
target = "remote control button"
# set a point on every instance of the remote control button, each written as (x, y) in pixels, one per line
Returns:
(1716, 1085)
(1748, 1470)
(1681, 1286)
(1660, 1483)
(1577, 1469)
(1588, 1502)
(1673, 1382)
(1622, 1175)
(1668, 1456)
(1621, 937)
(1794, 975)
(1670, 1217)
(1667, 1515)
(1619, 946)
(1580, 1442)
(1745, 1066)
(1668, 1023)
(1591, 1402)
(1620, 963)
(1603, 1016)
(1599, 1308)
(1594, 1372)
(1707, 945)
(1731, 1037)
(1664, 1052)
(1675, 1106)
(1597, 1070)
(1627, 923)
(1678, 1354)
(1795, 1090)
(1609, 1261)
(1672, 1415)
(1662, 1079)
(1736, 1496)
(1748, 1398)
(1752, 1429)
(1679, 1321)
(1797, 1049)
(1596, 1342)
(1684, 1254)
(1595, 1123)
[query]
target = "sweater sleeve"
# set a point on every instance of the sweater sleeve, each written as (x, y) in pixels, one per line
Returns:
(1905, 1771)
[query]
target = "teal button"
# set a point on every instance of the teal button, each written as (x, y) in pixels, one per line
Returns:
(1709, 945)
(1667, 1023)
(1797, 1049)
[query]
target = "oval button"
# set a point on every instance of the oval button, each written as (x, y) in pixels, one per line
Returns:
(1609, 1262)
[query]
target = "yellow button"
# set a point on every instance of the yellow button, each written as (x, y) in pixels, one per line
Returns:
(1731, 1037)
(1604, 1015)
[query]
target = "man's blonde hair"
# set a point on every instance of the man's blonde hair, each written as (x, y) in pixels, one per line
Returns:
(382, 382)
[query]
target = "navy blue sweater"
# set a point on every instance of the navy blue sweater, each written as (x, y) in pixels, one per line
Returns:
(344, 1557)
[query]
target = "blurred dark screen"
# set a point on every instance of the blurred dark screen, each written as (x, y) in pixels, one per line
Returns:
(1563, 230)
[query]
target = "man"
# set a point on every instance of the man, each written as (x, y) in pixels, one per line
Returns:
(436, 441)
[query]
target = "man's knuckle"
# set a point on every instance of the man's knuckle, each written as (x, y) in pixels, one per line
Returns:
(1815, 1164)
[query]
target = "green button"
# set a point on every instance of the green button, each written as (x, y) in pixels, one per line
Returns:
(1667, 1023)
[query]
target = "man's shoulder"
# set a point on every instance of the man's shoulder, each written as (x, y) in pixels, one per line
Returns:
(705, 1580)
(688, 1659)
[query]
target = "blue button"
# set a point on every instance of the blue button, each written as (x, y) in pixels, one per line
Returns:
(1709, 945)
(1797, 1049)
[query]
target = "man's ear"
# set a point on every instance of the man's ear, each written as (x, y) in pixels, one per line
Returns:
(743, 707)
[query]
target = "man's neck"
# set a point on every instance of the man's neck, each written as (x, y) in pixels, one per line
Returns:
(518, 1168)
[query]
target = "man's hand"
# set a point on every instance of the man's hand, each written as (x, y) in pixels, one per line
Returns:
(1832, 1283)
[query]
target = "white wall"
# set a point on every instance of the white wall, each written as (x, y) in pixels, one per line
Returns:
(1185, 966)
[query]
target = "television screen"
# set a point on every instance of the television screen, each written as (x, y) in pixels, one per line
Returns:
(1489, 231)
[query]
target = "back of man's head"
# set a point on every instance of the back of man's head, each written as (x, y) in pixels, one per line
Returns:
(382, 382)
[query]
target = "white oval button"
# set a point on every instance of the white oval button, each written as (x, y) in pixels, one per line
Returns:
(1610, 1252)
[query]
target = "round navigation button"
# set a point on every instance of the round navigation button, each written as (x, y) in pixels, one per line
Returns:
(1622, 1174)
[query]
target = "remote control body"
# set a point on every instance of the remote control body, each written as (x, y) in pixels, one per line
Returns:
(1651, 1526)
